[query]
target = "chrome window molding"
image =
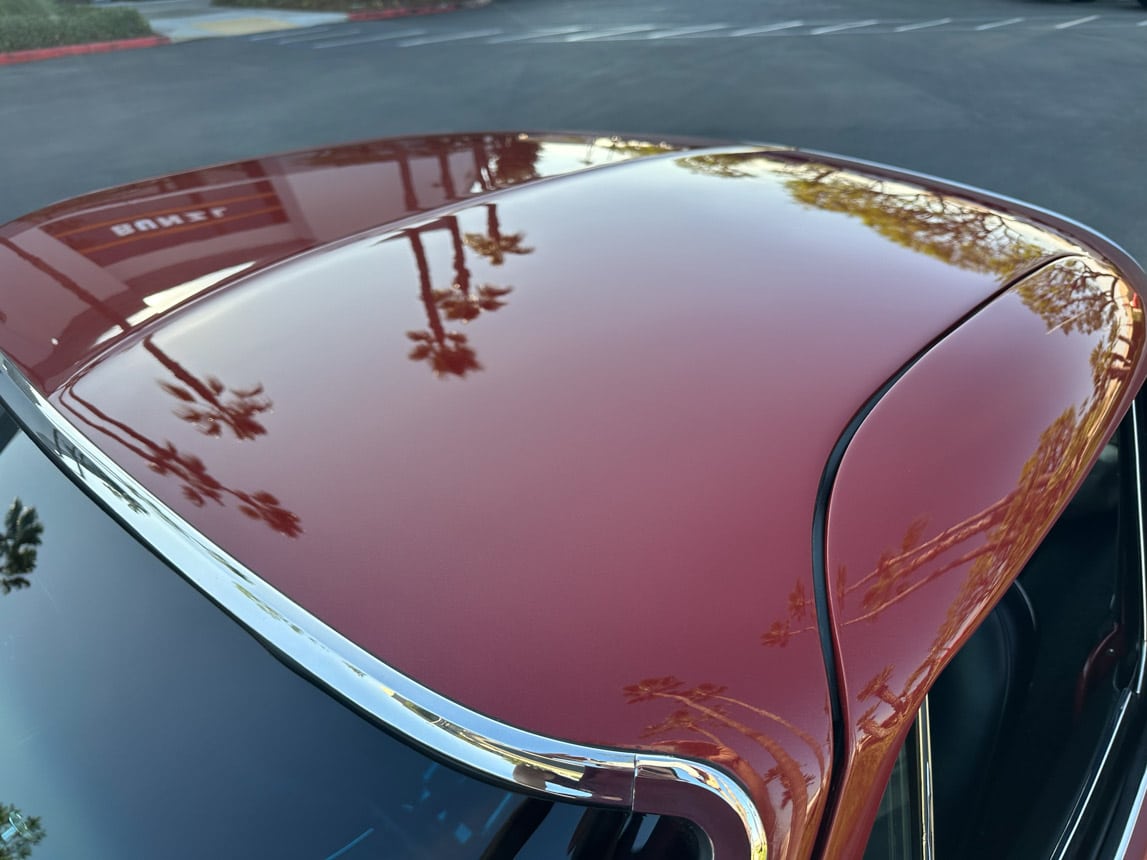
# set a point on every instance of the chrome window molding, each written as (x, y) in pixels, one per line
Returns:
(699, 791)
(1137, 468)
(1066, 844)
(923, 732)
(1141, 794)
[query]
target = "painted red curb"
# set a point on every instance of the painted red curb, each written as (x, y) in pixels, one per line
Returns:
(376, 14)
(34, 54)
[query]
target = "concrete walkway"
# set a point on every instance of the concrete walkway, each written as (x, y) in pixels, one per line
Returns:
(183, 20)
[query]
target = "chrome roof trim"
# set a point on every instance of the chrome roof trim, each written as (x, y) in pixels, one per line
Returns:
(519, 759)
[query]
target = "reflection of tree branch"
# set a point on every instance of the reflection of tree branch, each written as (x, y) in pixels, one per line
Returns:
(695, 700)
(721, 165)
(1070, 297)
(955, 231)
(1008, 542)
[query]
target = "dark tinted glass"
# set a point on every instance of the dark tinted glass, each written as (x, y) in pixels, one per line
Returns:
(138, 721)
(897, 832)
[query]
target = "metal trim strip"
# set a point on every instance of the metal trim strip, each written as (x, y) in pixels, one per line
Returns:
(923, 733)
(1137, 466)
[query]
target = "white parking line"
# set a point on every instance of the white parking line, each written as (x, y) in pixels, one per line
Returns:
(995, 24)
(767, 28)
(332, 37)
(314, 38)
(605, 34)
(536, 34)
(450, 37)
(836, 28)
(1142, 23)
(1067, 24)
(685, 31)
(923, 25)
(278, 34)
(338, 43)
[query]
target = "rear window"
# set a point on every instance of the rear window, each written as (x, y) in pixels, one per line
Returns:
(137, 720)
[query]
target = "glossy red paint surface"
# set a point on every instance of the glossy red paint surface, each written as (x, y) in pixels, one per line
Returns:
(552, 451)
(84, 272)
(1137, 845)
(950, 484)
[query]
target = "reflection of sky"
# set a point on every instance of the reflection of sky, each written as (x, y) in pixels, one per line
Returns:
(50, 784)
(164, 300)
(557, 158)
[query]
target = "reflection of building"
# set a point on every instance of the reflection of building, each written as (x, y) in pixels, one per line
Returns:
(257, 209)
(123, 258)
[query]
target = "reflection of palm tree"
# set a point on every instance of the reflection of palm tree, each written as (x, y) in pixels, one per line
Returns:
(515, 160)
(1074, 295)
(499, 160)
(199, 485)
(1002, 536)
(19, 834)
(203, 404)
(463, 307)
(449, 352)
(1085, 299)
(23, 532)
(494, 245)
(987, 548)
(446, 352)
(236, 413)
(704, 710)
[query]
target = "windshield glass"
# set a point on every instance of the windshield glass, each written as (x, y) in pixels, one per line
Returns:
(139, 721)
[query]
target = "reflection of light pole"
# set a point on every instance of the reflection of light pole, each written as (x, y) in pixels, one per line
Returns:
(17, 826)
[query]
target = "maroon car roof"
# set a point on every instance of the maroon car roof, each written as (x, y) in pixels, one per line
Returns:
(546, 438)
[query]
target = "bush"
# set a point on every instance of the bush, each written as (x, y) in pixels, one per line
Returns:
(25, 7)
(69, 26)
(334, 5)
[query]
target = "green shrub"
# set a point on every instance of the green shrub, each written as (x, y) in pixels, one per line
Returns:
(25, 7)
(70, 26)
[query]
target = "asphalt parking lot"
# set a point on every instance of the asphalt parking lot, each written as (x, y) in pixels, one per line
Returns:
(1044, 101)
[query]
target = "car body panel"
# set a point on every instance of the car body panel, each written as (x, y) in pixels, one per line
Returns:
(551, 448)
(949, 485)
(90, 269)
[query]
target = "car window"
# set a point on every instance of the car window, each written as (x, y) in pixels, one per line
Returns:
(903, 824)
(139, 721)
(1025, 718)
